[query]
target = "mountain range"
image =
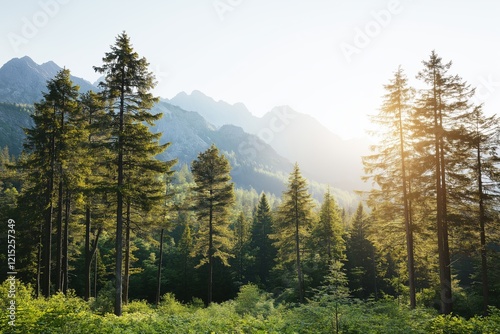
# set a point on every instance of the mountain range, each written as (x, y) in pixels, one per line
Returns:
(296, 136)
(261, 150)
(23, 81)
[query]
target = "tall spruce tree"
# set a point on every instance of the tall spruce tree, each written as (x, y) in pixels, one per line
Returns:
(261, 244)
(214, 195)
(388, 166)
(292, 226)
(441, 106)
(330, 231)
(98, 181)
(242, 236)
(127, 93)
(361, 264)
(51, 145)
(481, 162)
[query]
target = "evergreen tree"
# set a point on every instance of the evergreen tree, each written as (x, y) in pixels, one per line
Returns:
(441, 107)
(388, 166)
(334, 291)
(214, 195)
(242, 238)
(361, 270)
(98, 180)
(329, 231)
(126, 91)
(186, 248)
(52, 146)
(292, 226)
(483, 176)
(261, 244)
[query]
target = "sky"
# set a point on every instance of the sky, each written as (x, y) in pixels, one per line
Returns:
(329, 59)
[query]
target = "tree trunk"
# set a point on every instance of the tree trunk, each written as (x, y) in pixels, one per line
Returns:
(90, 251)
(158, 275)
(442, 228)
(119, 208)
(448, 303)
(210, 252)
(297, 253)
(65, 267)
(126, 274)
(88, 260)
(39, 264)
(407, 217)
(482, 220)
(60, 204)
(47, 232)
(59, 235)
(95, 267)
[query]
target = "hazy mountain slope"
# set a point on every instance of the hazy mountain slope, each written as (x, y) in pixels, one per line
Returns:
(22, 80)
(296, 136)
(255, 161)
(13, 118)
(190, 134)
(218, 113)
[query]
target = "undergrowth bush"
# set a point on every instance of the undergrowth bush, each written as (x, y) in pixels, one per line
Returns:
(251, 312)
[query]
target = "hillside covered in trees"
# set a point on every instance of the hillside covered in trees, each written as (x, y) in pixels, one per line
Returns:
(103, 227)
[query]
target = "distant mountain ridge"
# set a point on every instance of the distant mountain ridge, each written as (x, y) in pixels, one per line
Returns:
(23, 81)
(189, 133)
(296, 136)
(261, 150)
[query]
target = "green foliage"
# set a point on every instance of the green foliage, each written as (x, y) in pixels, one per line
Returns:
(261, 244)
(105, 300)
(170, 305)
(361, 270)
(214, 195)
(251, 312)
(13, 118)
(251, 300)
(292, 228)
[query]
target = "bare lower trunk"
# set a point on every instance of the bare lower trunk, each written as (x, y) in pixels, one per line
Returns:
(126, 274)
(65, 267)
(482, 219)
(59, 237)
(158, 274)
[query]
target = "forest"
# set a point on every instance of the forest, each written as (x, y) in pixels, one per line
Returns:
(109, 239)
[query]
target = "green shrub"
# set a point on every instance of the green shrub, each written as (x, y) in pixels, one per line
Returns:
(251, 312)
(170, 305)
(104, 303)
(251, 300)
(137, 306)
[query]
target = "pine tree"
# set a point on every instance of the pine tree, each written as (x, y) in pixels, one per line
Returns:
(388, 166)
(241, 246)
(292, 226)
(214, 195)
(334, 291)
(165, 225)
(261, 243)
(51, 148)
(98, 180)
(361, 270)
(330, 231)
(480, 132)
(441, 107)
(185, 249)
(126, 91)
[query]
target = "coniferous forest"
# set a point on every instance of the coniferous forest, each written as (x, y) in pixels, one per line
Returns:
(109, 239)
